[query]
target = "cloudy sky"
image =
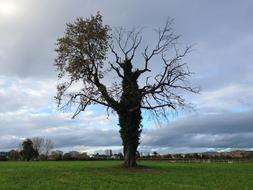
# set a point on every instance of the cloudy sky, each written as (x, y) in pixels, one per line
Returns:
(222, 34)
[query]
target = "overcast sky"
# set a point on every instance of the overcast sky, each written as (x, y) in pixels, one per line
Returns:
(222, 34)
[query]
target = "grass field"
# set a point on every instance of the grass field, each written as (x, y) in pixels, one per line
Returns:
(109, 175)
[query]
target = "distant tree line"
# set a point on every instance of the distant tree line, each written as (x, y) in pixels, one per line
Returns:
(75, 156)
(36, 148)
(206, 156)
(41, 148)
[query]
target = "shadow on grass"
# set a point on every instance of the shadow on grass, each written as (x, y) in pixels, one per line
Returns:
(138, 169)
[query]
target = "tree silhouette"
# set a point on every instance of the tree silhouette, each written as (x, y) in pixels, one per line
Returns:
(28, 152)
(82, 64)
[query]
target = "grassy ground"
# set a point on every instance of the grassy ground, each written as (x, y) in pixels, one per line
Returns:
(108, 175)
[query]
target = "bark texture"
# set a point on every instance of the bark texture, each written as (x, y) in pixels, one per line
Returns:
(130, 115)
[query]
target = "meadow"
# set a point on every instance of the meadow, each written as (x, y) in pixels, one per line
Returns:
(74, 175)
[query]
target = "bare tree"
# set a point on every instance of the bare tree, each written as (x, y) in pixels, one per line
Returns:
(48, 146)
(82, 63)
(38, 144)
(42, 145)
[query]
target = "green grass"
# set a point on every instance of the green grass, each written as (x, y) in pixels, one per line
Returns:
(108, 175)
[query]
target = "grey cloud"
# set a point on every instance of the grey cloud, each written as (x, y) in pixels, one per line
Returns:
(234, 130)
(28, 39)
(91, 130)
(221, 30)
(90, 137)
(198, 132)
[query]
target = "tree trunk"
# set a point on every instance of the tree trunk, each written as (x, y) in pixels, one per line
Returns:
(130, 130)
(129, 113)
(130, 156)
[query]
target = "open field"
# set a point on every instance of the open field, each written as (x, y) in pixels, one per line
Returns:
(108, 175)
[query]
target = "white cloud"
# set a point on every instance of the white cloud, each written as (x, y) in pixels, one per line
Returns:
(229, 98)
(222, 63)
(25, 97)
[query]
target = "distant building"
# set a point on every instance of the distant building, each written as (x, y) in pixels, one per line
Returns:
(57, 152)
(118, 156)
(108, 152)
(143, 154)
(4, 154)
(99, 156)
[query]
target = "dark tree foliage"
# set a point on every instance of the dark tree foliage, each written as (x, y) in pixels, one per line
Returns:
(28, 152)
(82, 64)
(14, 155)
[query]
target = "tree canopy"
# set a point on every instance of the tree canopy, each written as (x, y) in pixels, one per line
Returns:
(28, 152)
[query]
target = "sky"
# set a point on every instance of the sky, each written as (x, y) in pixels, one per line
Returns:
(221, 32)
